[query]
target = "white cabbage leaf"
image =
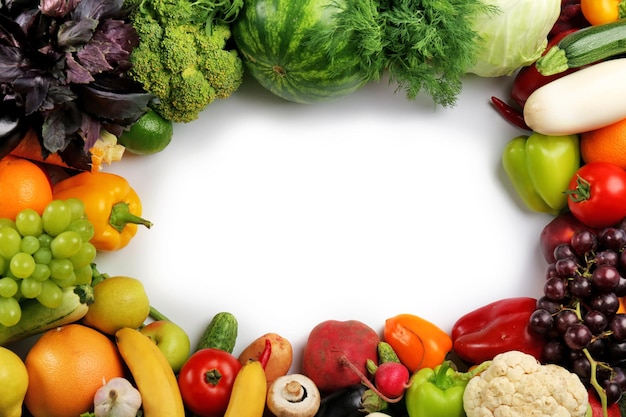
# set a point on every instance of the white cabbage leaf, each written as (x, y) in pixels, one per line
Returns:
(514, 36)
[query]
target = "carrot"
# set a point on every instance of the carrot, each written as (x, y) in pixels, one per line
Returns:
(30, 148)
(106, 150)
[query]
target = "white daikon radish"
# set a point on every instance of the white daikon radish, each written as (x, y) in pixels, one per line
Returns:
(584, 100)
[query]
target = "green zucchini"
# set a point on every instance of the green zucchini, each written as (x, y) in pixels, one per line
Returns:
(583, 47)
(221, 333)
(37, 319)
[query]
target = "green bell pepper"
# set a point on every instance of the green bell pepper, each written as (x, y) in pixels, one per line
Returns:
(540, 168)
(438, 391)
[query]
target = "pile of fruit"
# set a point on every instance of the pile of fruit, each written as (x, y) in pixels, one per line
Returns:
(98, 346)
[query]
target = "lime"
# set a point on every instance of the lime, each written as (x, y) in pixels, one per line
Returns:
(150, 134)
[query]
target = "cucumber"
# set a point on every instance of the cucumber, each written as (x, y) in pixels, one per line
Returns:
(37, 319)
(584, 46)
(221, 333)
(386, 353)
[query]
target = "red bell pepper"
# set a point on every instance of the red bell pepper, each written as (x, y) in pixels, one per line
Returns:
(495, 328)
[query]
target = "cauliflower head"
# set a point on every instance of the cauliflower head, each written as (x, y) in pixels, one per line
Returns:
(517, 385)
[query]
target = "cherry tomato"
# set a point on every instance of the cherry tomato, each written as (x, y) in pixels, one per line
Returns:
(206, 381)
(597, 194)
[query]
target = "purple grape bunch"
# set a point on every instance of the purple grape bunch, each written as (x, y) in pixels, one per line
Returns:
(578, 313)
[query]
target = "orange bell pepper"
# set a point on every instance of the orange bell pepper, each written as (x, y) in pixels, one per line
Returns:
(598, 12)
(418, 343)
(111, 204)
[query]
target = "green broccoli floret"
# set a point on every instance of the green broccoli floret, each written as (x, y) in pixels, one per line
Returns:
(186, 64)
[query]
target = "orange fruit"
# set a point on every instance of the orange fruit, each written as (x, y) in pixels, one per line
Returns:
(23, 184)
(66, 366)
(606, 144)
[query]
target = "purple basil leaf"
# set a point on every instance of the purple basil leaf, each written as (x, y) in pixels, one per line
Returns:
(76, 155)
(34, 90)
(57, 8)
(91, 130)
(117, 38)
(53, 132)
(92, 57)
(76, 73)
(12, 63)
(97, 9)
(76, 32)
(116, 99)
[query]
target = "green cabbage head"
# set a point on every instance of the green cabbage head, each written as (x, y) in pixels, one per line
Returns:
(513, 36)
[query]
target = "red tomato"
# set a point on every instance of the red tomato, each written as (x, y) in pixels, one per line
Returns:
(206, 381)
(597, 194)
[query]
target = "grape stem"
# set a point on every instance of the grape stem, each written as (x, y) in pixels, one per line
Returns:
(594, 379)
(596, 384)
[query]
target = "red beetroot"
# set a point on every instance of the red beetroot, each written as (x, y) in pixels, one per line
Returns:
(331, 346)
(391, 379)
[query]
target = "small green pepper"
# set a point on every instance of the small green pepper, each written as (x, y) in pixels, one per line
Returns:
(540, 168)
(438, 391)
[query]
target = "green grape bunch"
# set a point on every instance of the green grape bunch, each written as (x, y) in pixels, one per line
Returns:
(42, 254)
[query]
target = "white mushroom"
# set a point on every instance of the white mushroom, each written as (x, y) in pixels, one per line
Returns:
(294, 395)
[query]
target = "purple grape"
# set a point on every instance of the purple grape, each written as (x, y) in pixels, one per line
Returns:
(580, 287)
(566, 268)
(606, 303)
(577, 336)
(620, 290)
(617, 351)
(612, 238)
(581, 367)
(553, 352)
(613, 391)
(555, 289)
(583, 241)
(551, 271)
(607, 257)
(619, 376)
(549, 305)
(564, 251)
(541, 321)
(605, 278)
(564, 319)
(618, 327)
(596, 321)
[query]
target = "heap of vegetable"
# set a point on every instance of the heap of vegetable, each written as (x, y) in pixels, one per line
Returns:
(318, 50)
(182, 57)
(63, 71)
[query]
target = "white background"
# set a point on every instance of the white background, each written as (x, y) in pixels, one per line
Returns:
(287, 214)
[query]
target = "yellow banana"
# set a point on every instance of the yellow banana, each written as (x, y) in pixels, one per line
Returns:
(152, 373)
(249, 390)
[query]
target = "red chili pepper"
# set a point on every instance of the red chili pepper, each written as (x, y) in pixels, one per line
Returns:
(510, 113)
(496, 328)
(267, 352)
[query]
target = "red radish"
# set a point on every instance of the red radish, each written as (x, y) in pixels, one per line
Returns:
(391, 379)
(336, 353)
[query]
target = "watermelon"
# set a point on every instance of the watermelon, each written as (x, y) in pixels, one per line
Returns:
(302, 51)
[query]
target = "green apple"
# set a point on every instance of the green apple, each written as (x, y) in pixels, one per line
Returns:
(171, 339)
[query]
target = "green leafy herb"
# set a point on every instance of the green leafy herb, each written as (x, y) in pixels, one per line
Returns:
(423, 44)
